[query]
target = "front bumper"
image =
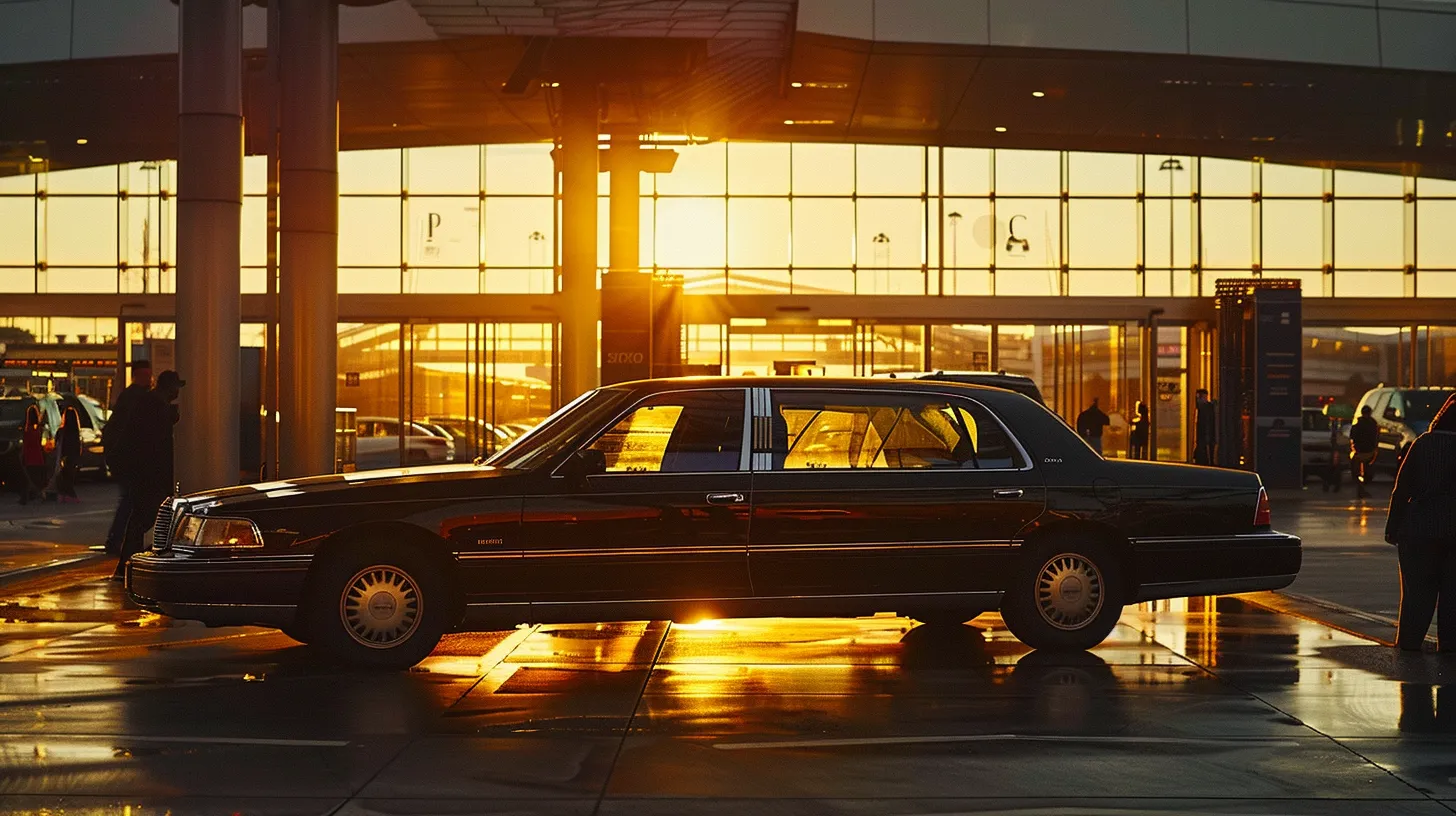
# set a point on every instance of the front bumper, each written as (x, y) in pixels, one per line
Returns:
(258, 590)
(1218, 565)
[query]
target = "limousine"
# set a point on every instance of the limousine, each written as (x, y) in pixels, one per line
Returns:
(723, 497)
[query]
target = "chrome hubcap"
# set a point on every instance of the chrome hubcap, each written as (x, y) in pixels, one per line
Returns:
(381, 607)
(1069, 591)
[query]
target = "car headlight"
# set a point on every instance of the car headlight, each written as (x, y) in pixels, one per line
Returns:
(199, 531)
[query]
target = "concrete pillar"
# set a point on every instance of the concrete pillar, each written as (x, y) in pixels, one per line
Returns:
(308, 180)
(625, 208)
(580, 303)
(209, 217)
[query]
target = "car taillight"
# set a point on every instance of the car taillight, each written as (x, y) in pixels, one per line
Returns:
(1262, 516)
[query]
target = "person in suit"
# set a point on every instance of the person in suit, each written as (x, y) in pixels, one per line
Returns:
(1137, 437)
(1421, 524)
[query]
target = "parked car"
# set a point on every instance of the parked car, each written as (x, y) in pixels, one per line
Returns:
(724, 497)
(1402, 414)
(378, 445)
(487, 438)
(1019, 383)
(1325, 443)
(52, 406)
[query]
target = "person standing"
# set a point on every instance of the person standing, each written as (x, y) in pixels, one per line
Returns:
(1364, 445)
(118, 451)
(68, 454)
(1205, 428)
(32, 454)
(149, 431)
(1090, 424)
(1421, 523)
(1137, 437)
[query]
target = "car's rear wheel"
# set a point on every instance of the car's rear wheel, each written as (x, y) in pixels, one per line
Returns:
(378, 607)
(1066, 595)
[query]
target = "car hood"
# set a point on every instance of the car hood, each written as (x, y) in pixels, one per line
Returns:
(440, 481)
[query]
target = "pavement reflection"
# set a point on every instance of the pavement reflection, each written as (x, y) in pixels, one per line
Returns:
(1204, 705)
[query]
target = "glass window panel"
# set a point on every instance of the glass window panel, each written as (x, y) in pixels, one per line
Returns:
(1228, 234)
(167, 241)
(517, 281)
(1102, 233)
(646, 232)
(1387, 283)
(1369, 234)
(879, 281)
(758, 232)
(444, 231)
(823, 281)
(82, 180)
(61, 279)
(254, 231)
(1226, 177)
(823, 169)
(715, 282)
(701, 170)
(1293, 234)
(1167, 241)
(255, 176)
(81, 231)
(1165, 175)
(1435, 234)
(967, 171)
(1102, 174)
(253, 280)
(368, 281)
(519, 168)
(369, 171)
(452, 169)
(1026, 281)
(1428, 284)
(1356, 183)
(823, 232)
(519, 231)
(969, 238)
(1289, 180)
(932, 171)
(690, 232)
(968, 282)
(889, 170)
(1102, 282)
(1028, 232)
(369, 231)
(1165, 282)
(17, 230)
(1424, 187)
(604, 232)
(1028, 172)
(891, 232)
(17, 185)
(960, 348)
(758, 169)
(1311, 280)
(424, 280)
(17, 279)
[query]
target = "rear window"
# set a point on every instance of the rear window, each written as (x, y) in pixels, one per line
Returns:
(1316, 421)
(1423, 405)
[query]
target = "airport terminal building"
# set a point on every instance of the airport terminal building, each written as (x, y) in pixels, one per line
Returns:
(833, 187)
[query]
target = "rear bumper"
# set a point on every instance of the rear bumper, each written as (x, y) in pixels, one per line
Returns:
(1221, 565)
(221, 591)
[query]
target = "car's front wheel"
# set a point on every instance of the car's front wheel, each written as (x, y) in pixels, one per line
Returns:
(1066, 595)
(378, 607)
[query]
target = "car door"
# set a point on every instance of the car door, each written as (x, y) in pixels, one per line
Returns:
(885, 493)
(666, 519)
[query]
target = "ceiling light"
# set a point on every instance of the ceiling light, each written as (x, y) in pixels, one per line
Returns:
(1038, 94)
(796, 84)
(808, 121)
(1000, 129)
(82, 141)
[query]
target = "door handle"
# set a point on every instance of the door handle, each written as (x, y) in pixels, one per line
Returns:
(726, 498)
(1008, 493)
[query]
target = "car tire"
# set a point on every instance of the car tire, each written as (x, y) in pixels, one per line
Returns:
(1066, 595)
(378, 607)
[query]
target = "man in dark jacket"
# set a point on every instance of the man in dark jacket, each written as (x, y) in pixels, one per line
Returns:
(119, 453)
(1205, 428)
(150, 431)
(1090, 424)
(1364, 445)
(1422, 524)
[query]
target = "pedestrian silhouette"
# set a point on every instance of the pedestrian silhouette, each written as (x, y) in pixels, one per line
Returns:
(68, 454)
(1090, 424)
(1422, 524)
(1364, 445)
(149, 432)
(32, 455)
(119, 452)
(1137, 437)
(1205, 428)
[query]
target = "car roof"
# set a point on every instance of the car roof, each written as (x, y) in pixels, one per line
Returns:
(859, 383)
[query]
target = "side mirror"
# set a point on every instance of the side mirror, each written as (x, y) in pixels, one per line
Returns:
(584, 463)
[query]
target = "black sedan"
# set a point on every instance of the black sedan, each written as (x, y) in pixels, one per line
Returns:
(685, 499)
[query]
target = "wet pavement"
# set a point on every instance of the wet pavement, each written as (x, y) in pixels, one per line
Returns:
(1203, 706)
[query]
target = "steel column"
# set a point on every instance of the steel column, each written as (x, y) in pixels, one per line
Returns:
(581, 304)
(308, 294)
(209, 217)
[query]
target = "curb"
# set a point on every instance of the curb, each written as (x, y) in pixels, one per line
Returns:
(53, 567)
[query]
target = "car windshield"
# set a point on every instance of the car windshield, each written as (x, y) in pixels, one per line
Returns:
(544, 442)
(1422, 406)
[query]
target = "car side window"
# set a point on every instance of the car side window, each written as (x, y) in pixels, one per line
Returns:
(856, 431)
(994, 449)
(684, 432)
